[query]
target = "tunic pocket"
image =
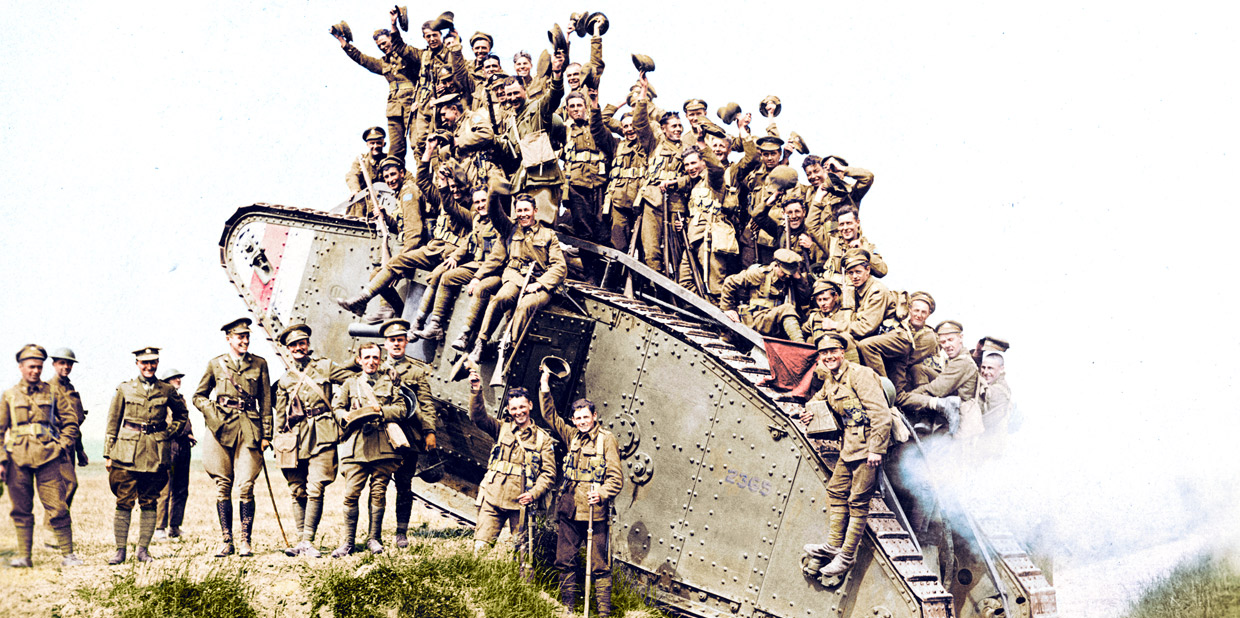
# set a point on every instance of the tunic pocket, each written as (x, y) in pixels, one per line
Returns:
(125, 447)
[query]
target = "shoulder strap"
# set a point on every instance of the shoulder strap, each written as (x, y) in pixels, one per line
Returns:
(368, 392)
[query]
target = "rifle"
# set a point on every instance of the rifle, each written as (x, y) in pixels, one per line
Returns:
(385, 251)
(589, 554)
(694, 269)
(501, 363)
(491, 106)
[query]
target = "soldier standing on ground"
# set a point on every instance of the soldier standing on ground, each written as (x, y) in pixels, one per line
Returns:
(364, 405)
(239, 427)
(854, 394)
(172, 499)
(39, 426)
(136, 450)
(63, 361)
(521, 468)
(592, 479)
(306, 432)
(414, 375)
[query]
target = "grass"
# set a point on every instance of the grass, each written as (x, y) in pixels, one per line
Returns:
(221, 592)
(1204, 587)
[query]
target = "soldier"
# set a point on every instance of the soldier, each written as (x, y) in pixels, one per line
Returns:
(234, 396)
(848, 236)
(792, 233)
(63, 361)
(828, 316)
(854, 394)
(695, 111)
(765, 296)
(413, 375)
(172, 499)
(956, 383)
(711, 233)
(834, 185)
(664, 181)
(893, 352)
(628, 165)
(145, 411)
(592, 479)
(521, 66)
(521, 468)
(526, 140)
(356, 178)
(585, 163)
(364, 406)
(459, 268)
(529, 252)
(306, 432)
(481, 44)
(399, 66)
(765, 198)
(995, 399)
(39, 425)
(873, 306)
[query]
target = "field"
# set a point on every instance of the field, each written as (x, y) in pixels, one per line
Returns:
(440, 575)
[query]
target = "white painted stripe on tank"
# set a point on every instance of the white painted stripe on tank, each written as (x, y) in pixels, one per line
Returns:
(290, 276)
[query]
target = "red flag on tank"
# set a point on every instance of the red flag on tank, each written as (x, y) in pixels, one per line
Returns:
(792, 366)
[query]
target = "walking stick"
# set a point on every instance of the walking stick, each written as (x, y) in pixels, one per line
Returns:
(589, 555)
(275, 510)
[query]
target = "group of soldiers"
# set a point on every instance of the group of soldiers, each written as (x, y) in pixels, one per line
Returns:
(505, 162)
(322, 420)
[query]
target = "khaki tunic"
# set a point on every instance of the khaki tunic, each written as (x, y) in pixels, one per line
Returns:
(356, 180)
(959, 377)
(311, 399)
(586, 464)
(39, 424)
(368, 442)
(414, 375)
(663, 162)
(138, 434)
(530, 118)
(872, 306)
(837, 247)
(855, 395)
(759, 296)
(628, 163)
(246, 380)
(585, 162)
(521, 460)
(537, 245)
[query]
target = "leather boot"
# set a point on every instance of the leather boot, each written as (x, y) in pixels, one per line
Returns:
(118, 557)
(838, 566)
(120, 528)
(433, 331)
(223, 508)
(25, 543)
(475, 355)
(350, 532)
(146, 528)
(247, 527)
(142, 555)
(821, 551)
(357, 304)
(602, 595)
(404, 506)
(568, 590)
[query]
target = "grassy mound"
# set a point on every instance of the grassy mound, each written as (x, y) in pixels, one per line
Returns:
(221, 592)
(1208, 587)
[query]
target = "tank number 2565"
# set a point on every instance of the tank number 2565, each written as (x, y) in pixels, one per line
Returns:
(755, 484)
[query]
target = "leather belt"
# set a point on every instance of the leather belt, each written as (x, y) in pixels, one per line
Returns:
(231, 402)
(146, 428)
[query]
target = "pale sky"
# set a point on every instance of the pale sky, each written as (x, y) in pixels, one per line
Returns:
(1051, 173)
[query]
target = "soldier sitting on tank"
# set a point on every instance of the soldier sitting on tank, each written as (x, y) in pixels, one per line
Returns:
(854, 394)
(790, 232)
(520, 470)
(873, 306)
(532, 266)
(944, 393)
(458, 270)
(764, 297)
(848, 236)
(828, 316)
(592, 478)
(892, 353)
(449, 226)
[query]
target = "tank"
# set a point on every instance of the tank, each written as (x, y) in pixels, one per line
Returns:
(722, 487)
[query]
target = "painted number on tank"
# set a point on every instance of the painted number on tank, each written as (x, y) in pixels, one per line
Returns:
(754, 484)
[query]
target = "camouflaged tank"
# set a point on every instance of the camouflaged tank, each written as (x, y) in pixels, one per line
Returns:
(722, 488)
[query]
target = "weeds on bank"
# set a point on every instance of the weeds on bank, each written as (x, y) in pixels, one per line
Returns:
(432, 580)
(1206, 587)
(222, 592)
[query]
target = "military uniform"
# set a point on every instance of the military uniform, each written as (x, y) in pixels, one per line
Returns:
(873, 311)
(592, 463)
(585, 165)
(306, 434)
(958, 378)
(818, 324)
(234, 396)
(837, 248)
(834, 192)
(763, 200)
(414, 375)
(760, 295)
(172, 499)
(137, 446)
(468, 256)
(854, 394)
(40, 426)
(400, 68)
(663, 164)
(366, 453)
(68, 470)
(710, 229)
(522, 460)
(356, 178)
(542, 180)
(536, 248)
(893, 352)
(624, 178)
